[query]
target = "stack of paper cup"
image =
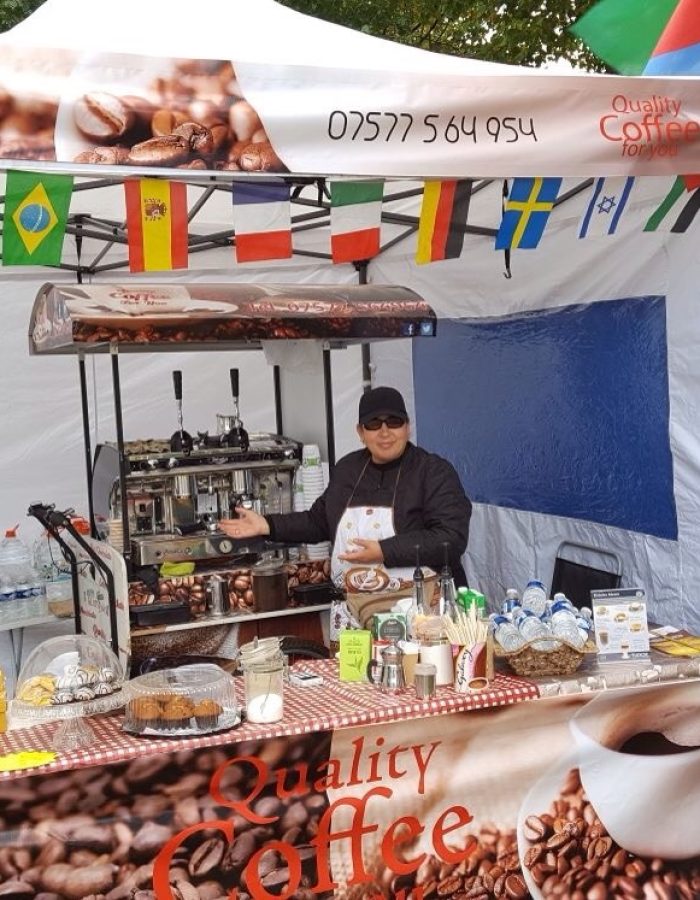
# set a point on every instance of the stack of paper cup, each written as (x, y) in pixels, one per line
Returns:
(298, 503)
(314, 485)
(116, 534)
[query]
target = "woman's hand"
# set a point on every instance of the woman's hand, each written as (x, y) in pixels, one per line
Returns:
(367, 552)
(248, 524)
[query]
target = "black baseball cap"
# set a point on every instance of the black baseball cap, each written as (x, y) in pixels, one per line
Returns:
(381, 401)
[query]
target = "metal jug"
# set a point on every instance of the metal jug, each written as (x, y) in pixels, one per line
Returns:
(391, 675)
(217, 596)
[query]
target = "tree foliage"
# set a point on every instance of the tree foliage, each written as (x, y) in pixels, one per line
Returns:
(13, 11)
(521, 32)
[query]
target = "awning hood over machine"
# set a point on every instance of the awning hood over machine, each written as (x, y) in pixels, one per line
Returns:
(66, 318)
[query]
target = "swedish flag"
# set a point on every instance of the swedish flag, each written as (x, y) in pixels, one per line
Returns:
(35, 217)
(526, 213)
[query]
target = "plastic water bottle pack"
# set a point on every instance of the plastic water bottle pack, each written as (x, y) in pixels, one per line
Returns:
(22, 593)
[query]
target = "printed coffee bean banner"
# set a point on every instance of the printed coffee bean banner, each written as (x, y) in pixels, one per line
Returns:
(578, 797)
(173, 113)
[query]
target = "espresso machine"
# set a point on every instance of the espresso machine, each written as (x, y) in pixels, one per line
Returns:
(178, 490)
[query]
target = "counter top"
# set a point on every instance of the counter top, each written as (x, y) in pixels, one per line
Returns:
(329, 706)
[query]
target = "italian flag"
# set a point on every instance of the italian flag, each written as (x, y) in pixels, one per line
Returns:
(356, 215)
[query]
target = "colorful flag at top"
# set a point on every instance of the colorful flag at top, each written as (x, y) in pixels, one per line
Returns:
(356, 218)
(605, 206)
(526, 212)
(624, 33)
(676, 211)
(156, 219)
(677, 52)
(262, 219)
(35, 218)
(443, 217)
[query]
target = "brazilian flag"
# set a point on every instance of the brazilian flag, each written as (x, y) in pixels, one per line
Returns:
(34, 222)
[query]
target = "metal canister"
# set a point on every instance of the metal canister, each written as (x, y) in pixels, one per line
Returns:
(217, 596)
(269, 585)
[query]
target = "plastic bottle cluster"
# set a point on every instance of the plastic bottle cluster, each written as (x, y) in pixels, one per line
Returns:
(535, 618)
(22, 589)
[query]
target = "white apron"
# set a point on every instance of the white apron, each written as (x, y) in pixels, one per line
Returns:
(371, 523)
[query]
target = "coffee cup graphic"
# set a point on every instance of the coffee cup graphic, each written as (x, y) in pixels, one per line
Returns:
(639, 761)
(366, 580)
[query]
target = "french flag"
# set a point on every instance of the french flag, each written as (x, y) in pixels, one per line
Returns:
(677, 51)
(262, 221)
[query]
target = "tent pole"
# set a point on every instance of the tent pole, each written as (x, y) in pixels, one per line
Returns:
(328, 395)
(119, 424)
(366, 355)
(86, 440)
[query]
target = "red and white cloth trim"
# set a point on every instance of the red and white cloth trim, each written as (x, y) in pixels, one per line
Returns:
(326, 707)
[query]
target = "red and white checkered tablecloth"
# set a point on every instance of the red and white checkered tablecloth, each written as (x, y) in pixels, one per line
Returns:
(326, 707)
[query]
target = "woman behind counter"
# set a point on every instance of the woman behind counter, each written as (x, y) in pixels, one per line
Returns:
(381, 502)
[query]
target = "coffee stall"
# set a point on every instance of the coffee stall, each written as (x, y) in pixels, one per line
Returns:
(155, 503)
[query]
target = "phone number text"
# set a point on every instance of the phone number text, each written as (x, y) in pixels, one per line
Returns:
(354, 125)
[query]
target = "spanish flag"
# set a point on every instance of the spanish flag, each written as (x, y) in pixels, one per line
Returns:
(443, 220)
(156, 218)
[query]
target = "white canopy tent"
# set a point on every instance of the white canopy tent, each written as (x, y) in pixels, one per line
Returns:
(41, 457)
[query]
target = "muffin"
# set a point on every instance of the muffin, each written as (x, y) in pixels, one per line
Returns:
(143, 713)
(177, 713)
(206, 714)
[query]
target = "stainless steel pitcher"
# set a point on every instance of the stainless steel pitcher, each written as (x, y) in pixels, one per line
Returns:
(217, 596)
(391, 678)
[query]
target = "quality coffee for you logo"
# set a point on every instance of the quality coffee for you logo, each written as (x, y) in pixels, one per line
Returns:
(647, 127)
(253, 802)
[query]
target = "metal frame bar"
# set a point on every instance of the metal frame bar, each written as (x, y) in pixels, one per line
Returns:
(119, 425)
(85, 407)
(328, 397)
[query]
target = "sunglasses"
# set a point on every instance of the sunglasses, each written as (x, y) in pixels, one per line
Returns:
(392, 422)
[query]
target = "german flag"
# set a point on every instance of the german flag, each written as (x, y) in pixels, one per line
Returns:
(443, 218)
(156, 218)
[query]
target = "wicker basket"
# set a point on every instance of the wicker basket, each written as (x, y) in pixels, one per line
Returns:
(528, 661)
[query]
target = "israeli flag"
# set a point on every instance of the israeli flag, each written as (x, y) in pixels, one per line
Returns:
(605, 206)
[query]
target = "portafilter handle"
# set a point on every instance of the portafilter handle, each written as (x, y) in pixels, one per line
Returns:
(177, 385)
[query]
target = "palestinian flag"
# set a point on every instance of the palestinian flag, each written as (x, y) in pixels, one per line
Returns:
(356, 217)
(676, 211)
(443, 218)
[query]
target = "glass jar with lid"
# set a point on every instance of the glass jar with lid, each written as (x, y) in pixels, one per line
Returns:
(264, 687)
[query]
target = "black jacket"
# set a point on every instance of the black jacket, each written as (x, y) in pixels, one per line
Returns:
(430, 508)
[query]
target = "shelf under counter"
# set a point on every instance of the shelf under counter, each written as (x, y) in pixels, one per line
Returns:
(233, 619)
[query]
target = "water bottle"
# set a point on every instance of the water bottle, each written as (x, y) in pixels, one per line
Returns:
(532, 628)
(511, 601)
(507, 634)
(52, 568)
(19, 577)
(564, 624)
(535, 598)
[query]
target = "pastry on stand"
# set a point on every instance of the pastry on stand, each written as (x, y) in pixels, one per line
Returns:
(67, 679)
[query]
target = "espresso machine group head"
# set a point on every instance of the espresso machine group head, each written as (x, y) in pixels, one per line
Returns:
(181, 441)
(235, 434)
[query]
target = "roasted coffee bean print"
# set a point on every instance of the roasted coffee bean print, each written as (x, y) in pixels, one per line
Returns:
(103, 118)
(106, 851)
(587, 863)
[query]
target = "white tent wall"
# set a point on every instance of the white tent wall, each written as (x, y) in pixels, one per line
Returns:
(508, 546)
(42, 456)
